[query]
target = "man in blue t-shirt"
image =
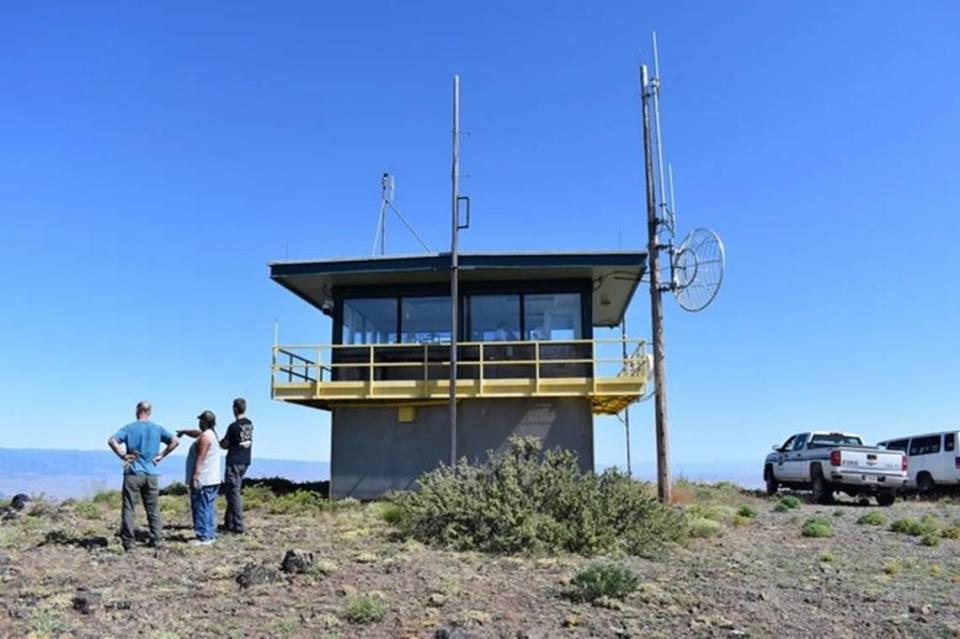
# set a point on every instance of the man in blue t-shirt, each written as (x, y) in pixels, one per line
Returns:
(141, 455)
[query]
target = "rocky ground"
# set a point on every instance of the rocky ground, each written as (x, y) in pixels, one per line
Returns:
(64, 573)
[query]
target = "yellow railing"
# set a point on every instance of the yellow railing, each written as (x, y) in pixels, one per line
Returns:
(323, 374)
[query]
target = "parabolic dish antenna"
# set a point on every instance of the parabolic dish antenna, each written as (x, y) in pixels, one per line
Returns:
(698, 269)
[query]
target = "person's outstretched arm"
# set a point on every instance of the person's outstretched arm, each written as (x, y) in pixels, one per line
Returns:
(189, 432)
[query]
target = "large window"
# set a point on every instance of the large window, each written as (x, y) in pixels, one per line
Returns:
(493, 318)
(425, 320)
(511, 317)
(370, 321)
(553, 316)
(925, 445)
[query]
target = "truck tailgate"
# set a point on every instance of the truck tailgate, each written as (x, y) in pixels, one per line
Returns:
(871, 460)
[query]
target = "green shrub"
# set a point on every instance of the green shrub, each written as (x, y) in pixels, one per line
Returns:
(307, 502)
(171, 506)
(389, 512)
(780, 508)
(873, 518)
(300, 502)
(930, 539)
(816, 527)
(838, 513)
(88, 509)
(952, 532)
(715, 512)
(790, 502)
(603, 580)
(747, 511)
(109, 498)
(519, 502)
(928, 525)
(364, 609)
(257, 497)
(57, 536)
(176, 489)
(700, 527)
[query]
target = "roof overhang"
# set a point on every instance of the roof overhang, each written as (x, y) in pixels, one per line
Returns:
(615, 274)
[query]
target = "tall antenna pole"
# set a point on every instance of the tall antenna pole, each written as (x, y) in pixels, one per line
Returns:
(656, 301)
(454, 267)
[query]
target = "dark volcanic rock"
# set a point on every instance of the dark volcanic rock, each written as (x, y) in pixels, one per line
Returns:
(254, 575)
(86, 601)
(297, 561)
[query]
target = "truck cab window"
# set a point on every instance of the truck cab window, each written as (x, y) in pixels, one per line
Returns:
(801, 440)
(787, 444)
(900, 444)
(949, 441)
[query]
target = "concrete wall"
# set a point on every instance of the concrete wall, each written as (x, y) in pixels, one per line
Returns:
(373, 452)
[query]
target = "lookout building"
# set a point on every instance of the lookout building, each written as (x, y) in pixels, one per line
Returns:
(528, 362)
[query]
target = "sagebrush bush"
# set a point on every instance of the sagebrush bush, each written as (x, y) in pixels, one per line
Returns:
(930, 539)
(747, 511)
(87, 509)
(789, 502)
(716, 512)
(109, 498)
(873, 518)
(257, 497)
(701, 527)
(816, 527)
(364, 609)
(603, 580)
(952, 532)
(927, 525)
(519, 502)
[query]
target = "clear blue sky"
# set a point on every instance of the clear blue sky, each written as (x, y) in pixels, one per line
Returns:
(153, 159)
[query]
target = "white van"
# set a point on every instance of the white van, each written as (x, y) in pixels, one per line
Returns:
(933, 459)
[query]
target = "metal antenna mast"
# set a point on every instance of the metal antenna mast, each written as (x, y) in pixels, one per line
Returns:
(387, 186)
(648, 91)
(454, 268)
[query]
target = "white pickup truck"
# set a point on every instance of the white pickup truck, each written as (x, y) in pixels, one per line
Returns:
(826, 462)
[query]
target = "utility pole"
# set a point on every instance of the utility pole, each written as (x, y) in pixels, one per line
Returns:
(656, 301)
(454, 268)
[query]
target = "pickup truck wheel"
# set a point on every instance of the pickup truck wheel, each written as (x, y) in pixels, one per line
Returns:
(886, 498)
(772, 483)
(822, 493)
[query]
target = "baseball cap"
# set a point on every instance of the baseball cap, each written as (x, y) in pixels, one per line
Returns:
(208, 417)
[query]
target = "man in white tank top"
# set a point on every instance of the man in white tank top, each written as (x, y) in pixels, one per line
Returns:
(203, 478)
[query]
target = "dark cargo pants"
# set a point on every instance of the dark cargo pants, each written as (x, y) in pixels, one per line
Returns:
(232, 485)
(146, 486)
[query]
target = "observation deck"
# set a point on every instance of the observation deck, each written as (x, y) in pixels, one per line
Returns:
(612, 373)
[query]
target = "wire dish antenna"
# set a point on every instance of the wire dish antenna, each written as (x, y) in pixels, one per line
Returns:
(697, 264)
(697, 269)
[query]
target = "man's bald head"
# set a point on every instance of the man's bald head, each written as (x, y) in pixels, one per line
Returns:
(144, 409)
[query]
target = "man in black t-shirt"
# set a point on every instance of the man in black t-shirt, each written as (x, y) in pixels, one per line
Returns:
(239, 442)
